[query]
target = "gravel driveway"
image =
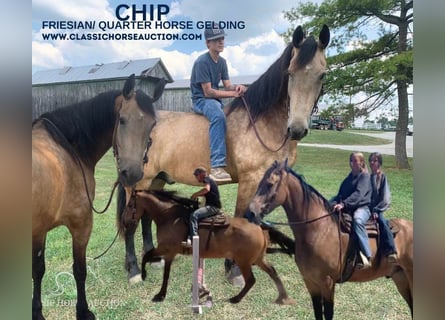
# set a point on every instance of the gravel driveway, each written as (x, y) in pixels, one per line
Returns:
(383, 148)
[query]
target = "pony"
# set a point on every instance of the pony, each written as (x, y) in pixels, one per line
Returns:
(267, 127)
(319, 244)
(237, 239)
(66, 145)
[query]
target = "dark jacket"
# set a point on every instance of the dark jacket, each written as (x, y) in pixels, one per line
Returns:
(381, 195)
(354, 192)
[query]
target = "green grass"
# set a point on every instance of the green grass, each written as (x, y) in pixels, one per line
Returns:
(346, 137)
(111, 297)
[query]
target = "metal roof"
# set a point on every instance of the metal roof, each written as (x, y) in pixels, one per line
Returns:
(141, 68)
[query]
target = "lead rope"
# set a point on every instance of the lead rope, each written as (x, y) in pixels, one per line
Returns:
(79, 163)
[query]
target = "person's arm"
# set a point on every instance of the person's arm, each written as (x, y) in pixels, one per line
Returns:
(239, 88)
(232, 92)
(201, 192)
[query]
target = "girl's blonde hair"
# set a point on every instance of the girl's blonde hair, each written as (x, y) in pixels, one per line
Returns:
(361, 157)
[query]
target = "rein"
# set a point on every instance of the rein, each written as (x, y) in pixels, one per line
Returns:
(79, 163)
(293, 223)
(256, 130)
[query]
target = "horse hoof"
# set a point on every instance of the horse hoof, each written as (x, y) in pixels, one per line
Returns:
(38, 315)
(135, 279)
(87, 315)
(234, 300)
(158, 298)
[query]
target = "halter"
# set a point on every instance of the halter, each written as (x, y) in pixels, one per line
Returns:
(286, 136)
(115, 145)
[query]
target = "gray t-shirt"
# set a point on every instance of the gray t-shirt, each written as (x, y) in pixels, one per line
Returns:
(206, 70)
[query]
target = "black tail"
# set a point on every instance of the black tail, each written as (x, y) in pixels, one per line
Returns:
(287, 244)
(120, 207)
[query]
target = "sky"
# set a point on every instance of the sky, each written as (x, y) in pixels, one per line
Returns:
(251, 46)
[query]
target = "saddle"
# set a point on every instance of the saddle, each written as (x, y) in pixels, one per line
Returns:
(372, 227)
(219, 220)
(352, 252)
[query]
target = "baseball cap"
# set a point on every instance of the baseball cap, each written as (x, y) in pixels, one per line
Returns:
(213, 34)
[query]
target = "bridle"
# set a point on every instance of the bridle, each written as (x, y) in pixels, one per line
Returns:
(116, 146)
(286, 136)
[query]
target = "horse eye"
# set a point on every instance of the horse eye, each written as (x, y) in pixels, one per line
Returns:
(322, 76)
(122, 120)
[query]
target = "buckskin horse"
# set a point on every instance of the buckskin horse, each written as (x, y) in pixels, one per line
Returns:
(266, 127)
(66, 145)
(236, 238)
(320, 246)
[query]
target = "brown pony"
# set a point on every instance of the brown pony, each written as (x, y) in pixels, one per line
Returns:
(240, 240)
(66, 145)
(320, 247)
(280, 103)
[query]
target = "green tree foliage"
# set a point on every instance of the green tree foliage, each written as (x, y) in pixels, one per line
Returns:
(373, 55)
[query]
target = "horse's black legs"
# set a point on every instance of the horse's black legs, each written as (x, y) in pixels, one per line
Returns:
(328, 309)
(318, 307)
(131, 263)
(146, 233)
(163, 292)
(38, 270)
(80, 275)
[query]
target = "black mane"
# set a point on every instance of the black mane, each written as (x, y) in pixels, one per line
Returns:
(271, 87)
(78, 127)
(172, 196)
(309, 191)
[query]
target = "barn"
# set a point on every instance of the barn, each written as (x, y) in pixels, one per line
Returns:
(52, 89)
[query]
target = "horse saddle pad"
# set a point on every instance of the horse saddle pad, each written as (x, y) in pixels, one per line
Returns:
(218, 220)
(371, 225)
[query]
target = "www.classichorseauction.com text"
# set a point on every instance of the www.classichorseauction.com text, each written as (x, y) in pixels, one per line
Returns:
(133, 22)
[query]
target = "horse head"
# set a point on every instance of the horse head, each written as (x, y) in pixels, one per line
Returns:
(307, 69)
(269, 193)
(135, 119)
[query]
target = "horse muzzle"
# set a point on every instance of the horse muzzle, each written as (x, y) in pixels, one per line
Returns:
(297, 133)
(130, 175)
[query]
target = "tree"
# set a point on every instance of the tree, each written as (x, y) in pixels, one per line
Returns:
(374, 71)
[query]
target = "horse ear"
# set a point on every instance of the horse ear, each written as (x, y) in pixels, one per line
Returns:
(298, 37)
(129, 86)
(159, 89)
(324, 36)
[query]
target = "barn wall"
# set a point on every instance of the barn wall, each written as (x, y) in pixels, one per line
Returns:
(47, 98)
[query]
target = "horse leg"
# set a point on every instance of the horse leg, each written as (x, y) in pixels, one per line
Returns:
(131, 264)
(162, 293)
(147, 236)
(402, 284)
(38, 270)
(233, 273)
(246, 271)
(80, 241)
(316, 297)
(283, 298)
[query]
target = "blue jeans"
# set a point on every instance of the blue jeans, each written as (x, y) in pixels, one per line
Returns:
(212, 110)
(386, 239)
(199, 214)
(359, 219)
